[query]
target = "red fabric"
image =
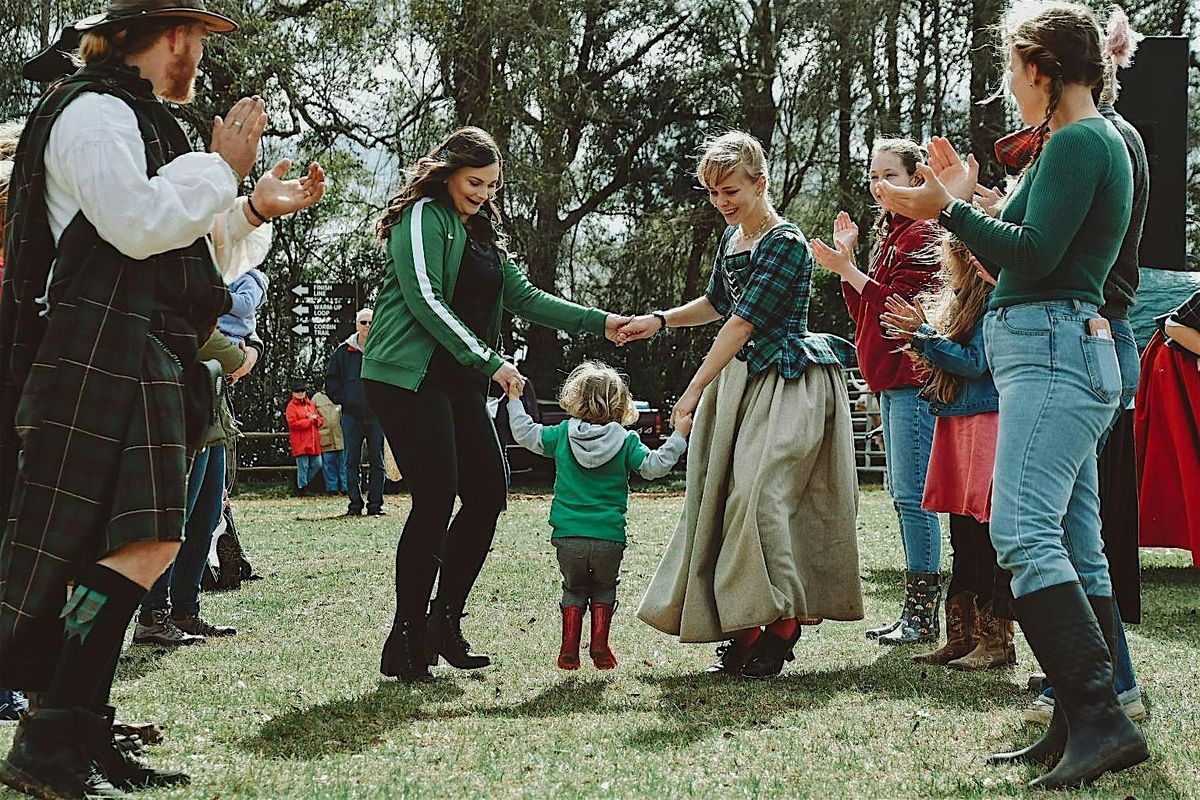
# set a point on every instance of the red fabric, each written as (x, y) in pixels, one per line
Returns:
(1166, 436)
(304, 431)
(961, 462)
(906, 265)
(784, 628)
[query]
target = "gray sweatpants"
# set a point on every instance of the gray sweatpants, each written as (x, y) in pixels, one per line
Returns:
(589, 568)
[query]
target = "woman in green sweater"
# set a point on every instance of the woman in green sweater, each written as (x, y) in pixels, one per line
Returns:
(1055, 365)
(425, 372)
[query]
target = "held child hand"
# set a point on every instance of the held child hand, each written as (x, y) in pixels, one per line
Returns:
(514, 392)
(683, 425)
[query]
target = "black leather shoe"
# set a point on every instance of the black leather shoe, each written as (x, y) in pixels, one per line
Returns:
(122, 768)
(768, 655)
(52, 755)
(444, 637)
(731, 657)
(403, 654)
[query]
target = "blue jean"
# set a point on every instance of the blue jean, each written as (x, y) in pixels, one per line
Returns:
(307, 469)
(179, 587)
(907, 440)
(356, 430)
(1059, 389)
(1130, 364)
(334, 462)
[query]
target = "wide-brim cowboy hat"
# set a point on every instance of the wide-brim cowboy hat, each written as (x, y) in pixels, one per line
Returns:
(126, 11)
(55, 61)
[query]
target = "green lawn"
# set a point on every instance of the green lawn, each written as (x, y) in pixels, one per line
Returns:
(294, 707)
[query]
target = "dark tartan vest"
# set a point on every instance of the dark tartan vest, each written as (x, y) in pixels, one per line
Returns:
(176, 296)
(70, 379)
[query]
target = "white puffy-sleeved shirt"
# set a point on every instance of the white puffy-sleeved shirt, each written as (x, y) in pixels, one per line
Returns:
(96, 163)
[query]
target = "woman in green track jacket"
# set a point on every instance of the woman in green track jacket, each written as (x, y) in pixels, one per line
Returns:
(425, 371)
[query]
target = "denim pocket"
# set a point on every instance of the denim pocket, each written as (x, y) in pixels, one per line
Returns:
(1100, 355)
(1031, 319)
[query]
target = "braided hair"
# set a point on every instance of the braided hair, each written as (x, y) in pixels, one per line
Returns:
(1062, 40)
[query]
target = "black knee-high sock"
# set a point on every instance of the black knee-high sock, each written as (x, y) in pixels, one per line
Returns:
(96, 617)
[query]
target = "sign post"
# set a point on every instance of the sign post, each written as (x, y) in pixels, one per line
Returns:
(324, 312)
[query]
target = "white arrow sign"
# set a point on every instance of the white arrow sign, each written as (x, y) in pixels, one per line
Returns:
(300, 290)
(300, 311)
(300, 330)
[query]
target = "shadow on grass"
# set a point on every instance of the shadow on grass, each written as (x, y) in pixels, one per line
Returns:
(347, 725)
(569, 696)
(139, 661)
(696, 706)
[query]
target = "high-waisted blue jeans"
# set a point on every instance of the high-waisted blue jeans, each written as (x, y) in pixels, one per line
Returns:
(907, 440)
(1059, 389)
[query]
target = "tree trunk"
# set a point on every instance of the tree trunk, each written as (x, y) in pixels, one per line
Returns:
(987, 121)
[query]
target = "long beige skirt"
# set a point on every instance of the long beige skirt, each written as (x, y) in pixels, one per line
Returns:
(768, 524)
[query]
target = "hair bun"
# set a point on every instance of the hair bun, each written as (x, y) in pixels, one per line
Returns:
(1122, 39)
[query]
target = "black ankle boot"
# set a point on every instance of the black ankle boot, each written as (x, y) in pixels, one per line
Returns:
(121, 766)
(404, 654)
(1061, 627)
(768, 655)
(444, 637)
(52, 756)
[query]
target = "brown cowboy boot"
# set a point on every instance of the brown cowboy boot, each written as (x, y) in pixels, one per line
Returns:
(960, 631)
(994, 643)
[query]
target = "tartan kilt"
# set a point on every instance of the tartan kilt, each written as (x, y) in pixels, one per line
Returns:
(110, 491)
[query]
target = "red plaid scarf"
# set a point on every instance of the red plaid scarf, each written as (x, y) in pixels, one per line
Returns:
(1017, 150)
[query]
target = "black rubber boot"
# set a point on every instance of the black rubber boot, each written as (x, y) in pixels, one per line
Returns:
(404, 654)
(1062, 630)
(919, 621)
(1049, 749)
(122, 767)
(52, 757)
(444, 637)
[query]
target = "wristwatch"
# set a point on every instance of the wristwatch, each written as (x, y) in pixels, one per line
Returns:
(944, 214)
(662, 318)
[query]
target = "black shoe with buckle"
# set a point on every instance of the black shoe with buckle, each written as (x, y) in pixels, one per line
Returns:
(731, 657)
(768, 655)
(121, 766)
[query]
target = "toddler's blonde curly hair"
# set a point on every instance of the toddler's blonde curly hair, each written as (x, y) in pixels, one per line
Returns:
(595, 392)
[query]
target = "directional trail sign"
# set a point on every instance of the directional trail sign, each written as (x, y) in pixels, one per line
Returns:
(324, 312)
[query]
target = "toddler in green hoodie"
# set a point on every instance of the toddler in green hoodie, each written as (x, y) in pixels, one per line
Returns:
(593, 455)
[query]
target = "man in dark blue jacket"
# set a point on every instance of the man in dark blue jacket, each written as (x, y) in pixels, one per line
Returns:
(343, 384)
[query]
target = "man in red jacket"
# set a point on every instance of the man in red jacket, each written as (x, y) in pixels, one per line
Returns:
(304, 431)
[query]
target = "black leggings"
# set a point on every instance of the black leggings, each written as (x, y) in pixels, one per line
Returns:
(974, 559)
(446, 446)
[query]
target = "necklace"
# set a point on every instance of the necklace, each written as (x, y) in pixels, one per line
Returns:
(761, 229)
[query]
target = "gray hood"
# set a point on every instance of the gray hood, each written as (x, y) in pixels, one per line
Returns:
(595, 445)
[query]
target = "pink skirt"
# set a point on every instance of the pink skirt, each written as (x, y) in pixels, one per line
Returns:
(959, 480)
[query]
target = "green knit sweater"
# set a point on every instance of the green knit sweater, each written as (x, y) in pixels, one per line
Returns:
(1061, 230)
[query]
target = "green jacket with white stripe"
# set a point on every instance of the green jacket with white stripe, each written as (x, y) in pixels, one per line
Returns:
(413, 314)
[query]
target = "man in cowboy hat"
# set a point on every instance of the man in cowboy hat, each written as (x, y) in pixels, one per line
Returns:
(119, 239)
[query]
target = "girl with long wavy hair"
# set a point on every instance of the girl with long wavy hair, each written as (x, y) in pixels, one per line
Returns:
(948, 340)
(425, 371)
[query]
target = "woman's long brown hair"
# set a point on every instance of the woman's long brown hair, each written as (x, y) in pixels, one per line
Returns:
(465, 147)
(954, 310)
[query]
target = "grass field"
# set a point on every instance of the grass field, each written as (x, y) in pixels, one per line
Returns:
(294, 707)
